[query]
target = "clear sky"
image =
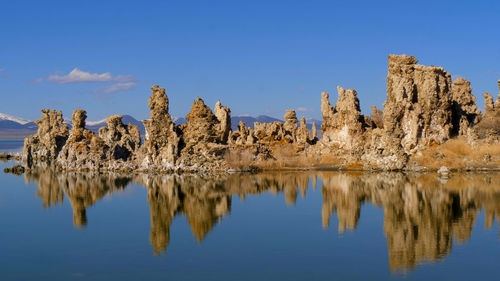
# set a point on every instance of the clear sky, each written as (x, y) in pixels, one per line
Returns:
(257, 57)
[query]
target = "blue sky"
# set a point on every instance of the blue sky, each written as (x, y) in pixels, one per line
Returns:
(257, 57)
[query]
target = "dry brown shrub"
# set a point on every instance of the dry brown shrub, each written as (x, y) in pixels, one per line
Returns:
(458, 153)
(239, 159)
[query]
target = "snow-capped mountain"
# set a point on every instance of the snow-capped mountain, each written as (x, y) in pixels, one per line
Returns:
(14, 119)
(12, 127)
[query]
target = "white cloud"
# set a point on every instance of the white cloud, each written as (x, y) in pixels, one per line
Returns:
(78, 76)
(243, 114)
(118, 87)
(303, 109)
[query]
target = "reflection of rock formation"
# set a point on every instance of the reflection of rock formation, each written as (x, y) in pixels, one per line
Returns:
(205, 200)
(202, 200)
(422, 216)
(339, 197)
(82, 190)
(48, 186)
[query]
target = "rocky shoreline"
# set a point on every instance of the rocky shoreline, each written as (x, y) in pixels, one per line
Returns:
(428, 121)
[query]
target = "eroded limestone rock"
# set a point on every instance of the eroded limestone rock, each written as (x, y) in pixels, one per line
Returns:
(343, 123)
(123, 140)
(49, 139)
(202, 146)
(243, 136)
(465, 112)
(269, 133)
(223, 114)
(489, 126)
(290, 126)
(314, 132)
(377, 117)
(418, 106)
(83, 149)
(161, 143)
(202, 125)
(303, 134)
(417, 112)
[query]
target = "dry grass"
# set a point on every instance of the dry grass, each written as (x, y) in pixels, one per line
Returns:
(459, 154)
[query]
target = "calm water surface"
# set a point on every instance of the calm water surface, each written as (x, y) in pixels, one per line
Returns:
(12, 146)
(290, 226)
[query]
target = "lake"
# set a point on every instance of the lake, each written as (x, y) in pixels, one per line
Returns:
(12, 146)
(268, 226)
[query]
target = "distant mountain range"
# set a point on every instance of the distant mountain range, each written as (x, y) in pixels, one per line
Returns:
(12, 127)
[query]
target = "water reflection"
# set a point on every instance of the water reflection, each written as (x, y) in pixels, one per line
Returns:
(81, 189)
(423, 215)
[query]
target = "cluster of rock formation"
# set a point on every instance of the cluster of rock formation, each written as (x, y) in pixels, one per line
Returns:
(423, 108)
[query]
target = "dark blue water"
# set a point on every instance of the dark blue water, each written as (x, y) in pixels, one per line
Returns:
(288, 226)
(11, 146)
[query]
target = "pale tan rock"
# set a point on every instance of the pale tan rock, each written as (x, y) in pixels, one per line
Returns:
(123, 140)
(343, 123)
(489, 106)
(314, 132)
(269, 133)
(303, 134)
(489, 127)
(418, 106)
(49, 139)
(223, 114)
(377, 117)
(290, 126)
(465, 112)
(202, 125)
(161, 143)
(201, 138)
(83, 150)
(327, 110)
(242, 135)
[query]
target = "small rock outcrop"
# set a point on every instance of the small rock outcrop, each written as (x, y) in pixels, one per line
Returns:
(202, 137)
(161, 143)
(123, 140)
(243, 136)
(49, 139)
(465, 112)
(83, 149)
(417, 112)
(343, 123)
(314, 132)
(269, 133)
(444, 171)
(489, 126)
(202, 126)
(223, 114)
(16, 170)
(6, 156)
(303, 134)
(418, 106)
(377, 117)
(290, 126)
